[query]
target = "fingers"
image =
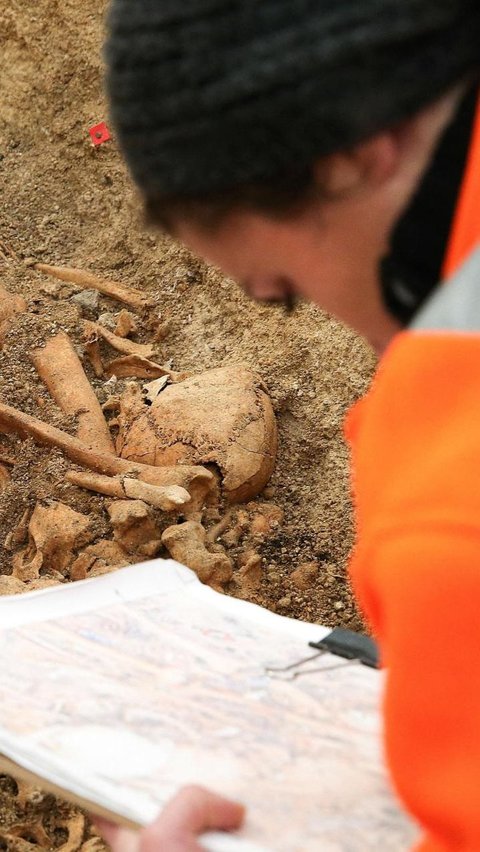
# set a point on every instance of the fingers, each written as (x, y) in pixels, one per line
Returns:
(190, 813)
(119, 839)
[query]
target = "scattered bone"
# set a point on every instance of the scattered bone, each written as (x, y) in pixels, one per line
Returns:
(97, 559)
(32, 829)
(59, 367)
(221, 417)
(198, 481)
(28, 794)
(127, 295)
(4, 477)
(167, 498)
(125, 324)
(242, 523)
(249, 575)
(26, 568)
(93, 330)
(219, 528)
(54, 532)
(19, 534)
(135, 366)
(17, 844)
(111, 404)
(81, 566)
(305, 575)
(11, 586)
(161, 331)
(76, 827)
(133, 528)
(186, 543)
(92, 351)
(151, 391)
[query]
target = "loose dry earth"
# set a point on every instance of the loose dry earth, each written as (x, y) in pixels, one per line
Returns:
(65, 202)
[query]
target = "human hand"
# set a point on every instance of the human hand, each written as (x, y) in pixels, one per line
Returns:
(189, 814)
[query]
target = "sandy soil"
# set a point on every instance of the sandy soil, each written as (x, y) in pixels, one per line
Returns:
(63, 201)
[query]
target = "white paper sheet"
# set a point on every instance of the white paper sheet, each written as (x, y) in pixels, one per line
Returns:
(123, 688)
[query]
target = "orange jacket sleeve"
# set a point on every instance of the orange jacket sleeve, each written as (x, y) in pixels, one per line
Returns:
(416, 571)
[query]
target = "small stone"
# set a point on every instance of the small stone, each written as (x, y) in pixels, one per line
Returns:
(87, 299)
(108, 320)
(338, 605)
(304, 576)
(51, 288)
(285, 602)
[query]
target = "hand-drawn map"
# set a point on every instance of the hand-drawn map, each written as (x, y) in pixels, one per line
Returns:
(124, 688)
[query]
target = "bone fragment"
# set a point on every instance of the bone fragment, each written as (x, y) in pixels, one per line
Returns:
(219, 528)
(112, 403)
(133, 527)
(58, 365)
(33, 829)
(186, 543)
(125, 324)
(198, 481)
(139, 367)
(54, 532)
(75, 826)
(127, 295)
(20, 532)
(99, 558)
(93, 330)
(93, 353)
(10, 586)
(151, 391)
(167, 498)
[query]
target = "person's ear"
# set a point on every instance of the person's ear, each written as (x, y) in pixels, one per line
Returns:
(366, 166)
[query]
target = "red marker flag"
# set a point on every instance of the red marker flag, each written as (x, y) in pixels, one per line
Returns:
(99, 133)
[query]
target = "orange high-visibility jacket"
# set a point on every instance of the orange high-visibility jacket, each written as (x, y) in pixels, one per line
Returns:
(415, 443)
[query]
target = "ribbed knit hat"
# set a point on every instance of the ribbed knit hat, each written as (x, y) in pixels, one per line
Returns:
(209, 94)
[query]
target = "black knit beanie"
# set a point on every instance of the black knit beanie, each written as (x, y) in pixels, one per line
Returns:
(207, 95)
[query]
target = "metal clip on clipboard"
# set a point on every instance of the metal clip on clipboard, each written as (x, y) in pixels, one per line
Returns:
(352, 647)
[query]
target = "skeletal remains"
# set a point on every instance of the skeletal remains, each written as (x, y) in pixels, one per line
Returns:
(184, 442)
